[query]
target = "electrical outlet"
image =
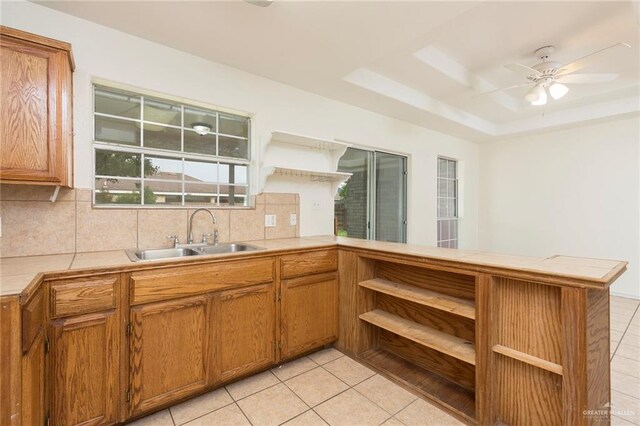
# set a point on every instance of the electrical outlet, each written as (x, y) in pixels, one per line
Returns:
(316, 205)
(269, 220)
(293, 219)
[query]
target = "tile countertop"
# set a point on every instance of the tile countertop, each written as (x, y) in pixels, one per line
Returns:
(17, 273)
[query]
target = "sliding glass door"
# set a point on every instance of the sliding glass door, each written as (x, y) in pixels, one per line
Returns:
(372, 203)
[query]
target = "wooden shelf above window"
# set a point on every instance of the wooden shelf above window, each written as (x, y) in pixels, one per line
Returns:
(305, 175)
(308, 141)
(442, 342)
(432, 299)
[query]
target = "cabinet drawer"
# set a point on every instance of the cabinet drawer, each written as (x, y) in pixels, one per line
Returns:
(315, 262)
(171, 283)
(75, 297)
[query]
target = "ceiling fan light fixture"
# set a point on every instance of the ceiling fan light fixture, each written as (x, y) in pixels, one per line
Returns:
(542, 98)
(201, 128)
(558, 90)
(535, 93)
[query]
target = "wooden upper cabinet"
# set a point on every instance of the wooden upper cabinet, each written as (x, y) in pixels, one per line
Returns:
(245, 326)
(169, 350)
(36, 124)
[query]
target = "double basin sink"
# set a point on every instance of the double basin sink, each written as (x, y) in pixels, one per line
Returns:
(172, 253)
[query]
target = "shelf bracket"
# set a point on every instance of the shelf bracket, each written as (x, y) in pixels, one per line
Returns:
(54, 196)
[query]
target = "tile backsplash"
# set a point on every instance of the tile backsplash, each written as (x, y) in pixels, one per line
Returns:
(33, 225)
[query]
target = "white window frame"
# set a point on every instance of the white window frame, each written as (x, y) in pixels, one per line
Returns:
(450, 218)
(178, 155)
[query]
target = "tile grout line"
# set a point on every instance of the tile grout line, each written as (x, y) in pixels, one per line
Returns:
(243, 413)
(624, 333)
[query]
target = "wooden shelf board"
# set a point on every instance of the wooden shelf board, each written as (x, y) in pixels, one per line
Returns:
(453, 346)
(528, 359)
(454, 305)
(448, 395)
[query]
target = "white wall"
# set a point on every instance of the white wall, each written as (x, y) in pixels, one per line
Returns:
(573, 192)
(101, 52)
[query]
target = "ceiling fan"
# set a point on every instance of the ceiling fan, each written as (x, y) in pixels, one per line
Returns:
(550, 76)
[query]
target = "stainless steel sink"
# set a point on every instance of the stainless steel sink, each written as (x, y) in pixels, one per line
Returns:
(227, 248)
(155, 254)
(172, 253)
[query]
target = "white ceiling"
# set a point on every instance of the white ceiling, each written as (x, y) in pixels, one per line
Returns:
(424, 62)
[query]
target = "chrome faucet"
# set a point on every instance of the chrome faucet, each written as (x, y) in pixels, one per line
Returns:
(189, 230)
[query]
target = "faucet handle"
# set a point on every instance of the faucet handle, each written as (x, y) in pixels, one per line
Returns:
(205, 238)
(175, 240)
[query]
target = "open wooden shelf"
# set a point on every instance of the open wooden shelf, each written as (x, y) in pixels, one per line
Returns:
(454, 305)
(443, 392)
(442, 342)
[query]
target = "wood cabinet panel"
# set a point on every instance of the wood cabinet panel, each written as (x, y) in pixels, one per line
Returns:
(150, 286)
(527, 318)
(35, 115)
(75, 297)
(169, 351)
(10, 360)
(309, 313)
(315, 262)
(85, 367)
(33, 382)
(32, 319)
(244, 331)
(526, 395)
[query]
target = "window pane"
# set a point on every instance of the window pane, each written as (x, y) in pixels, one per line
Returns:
(193, 116)
(162, 168)
(231, 147)
(233, 173)
(110, 163)
(161, 137)
(453, 229)
(113, 102)
(162, 192)
(452, 188)
(200, 171)
(234, 125)
(442, 167)
(117, 131)
(162, 112)
(442, 187)
(231, 195)
(117, 191)
(390, 202)
(199, 144)
(198, 193)
(452, 169)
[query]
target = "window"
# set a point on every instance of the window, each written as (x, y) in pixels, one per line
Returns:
(151, 151)
(372, 204)
(447, 203)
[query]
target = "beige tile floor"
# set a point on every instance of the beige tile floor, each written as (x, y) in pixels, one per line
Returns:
(329, 388)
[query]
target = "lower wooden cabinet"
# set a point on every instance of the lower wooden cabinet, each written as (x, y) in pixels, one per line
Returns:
(169, 350)
(245, 331)
(308, 313)
(84, 373)
(33, 381)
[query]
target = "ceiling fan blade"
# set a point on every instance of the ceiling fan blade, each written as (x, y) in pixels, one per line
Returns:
(585, 60)
(503, 89)
(523, 70)
(586, 78)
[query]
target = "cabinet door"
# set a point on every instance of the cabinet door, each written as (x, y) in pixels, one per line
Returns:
(85, 369)
(169, 351)
(309, 313)
(244, 330)
(35, 117)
